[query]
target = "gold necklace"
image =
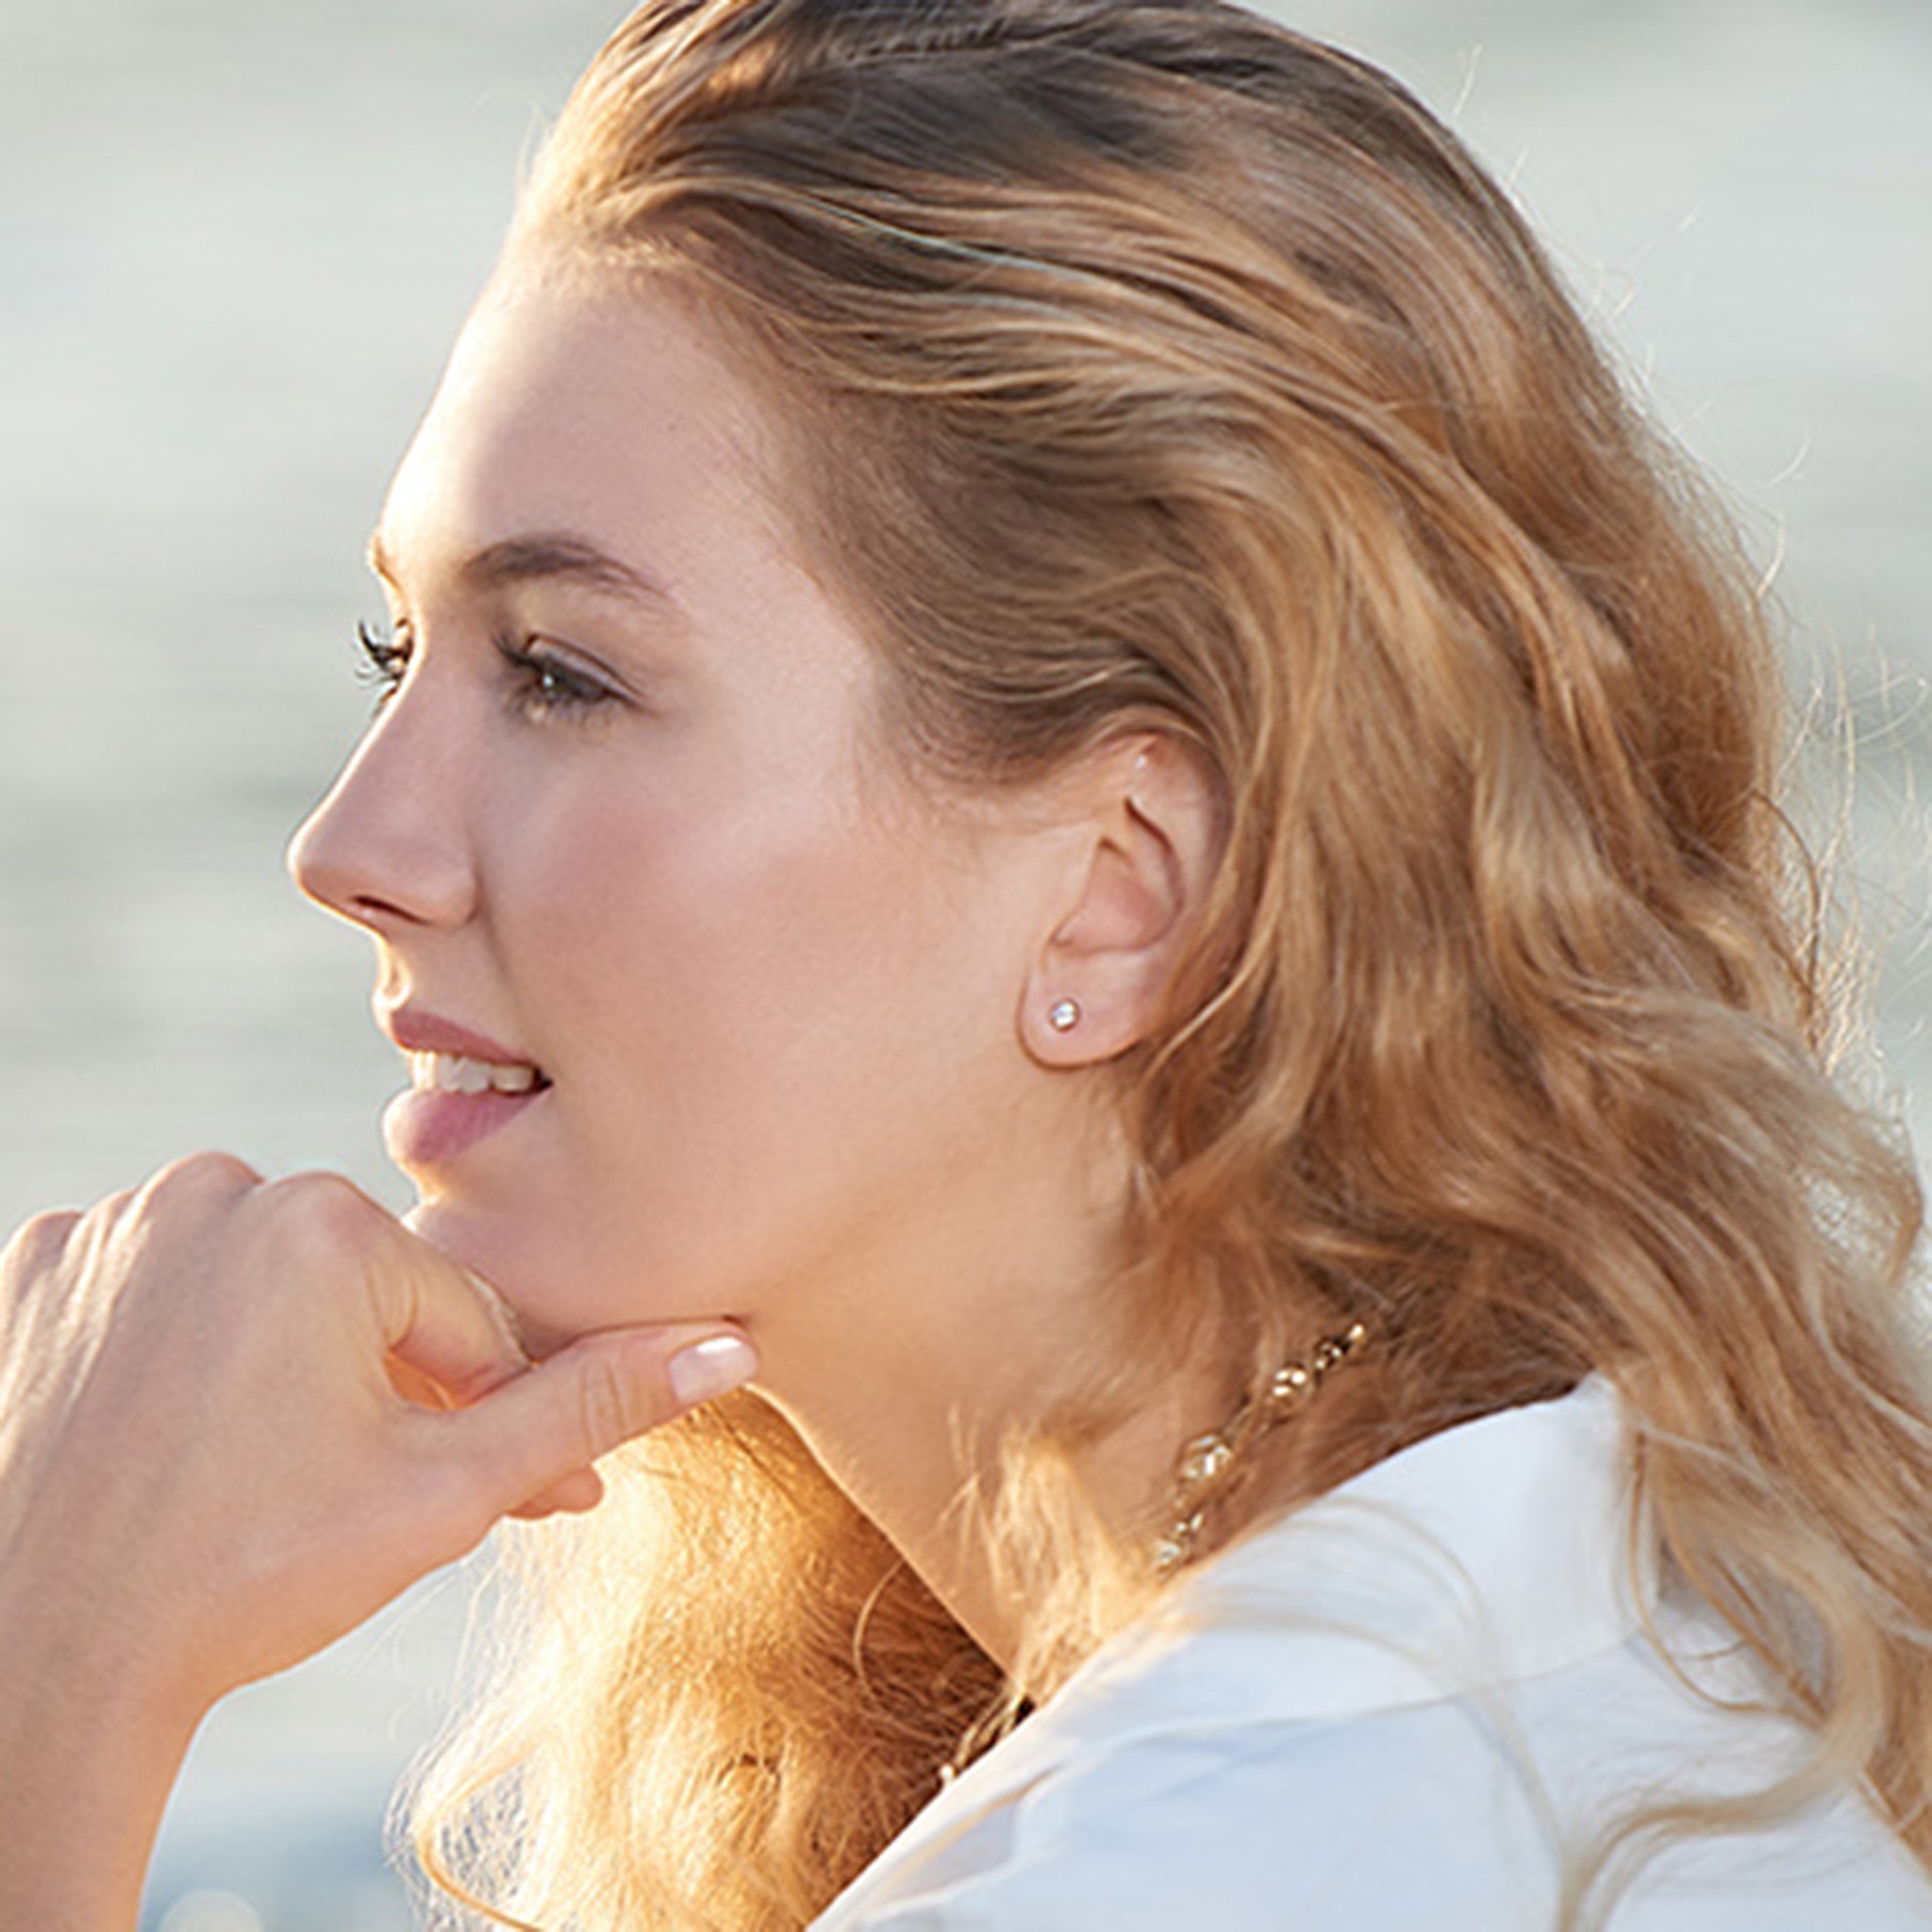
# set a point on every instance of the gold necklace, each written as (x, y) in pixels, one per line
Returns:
(1201, 1473)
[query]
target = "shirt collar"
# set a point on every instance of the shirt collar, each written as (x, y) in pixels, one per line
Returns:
(1494, 1551)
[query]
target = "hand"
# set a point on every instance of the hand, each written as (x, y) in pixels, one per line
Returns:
(209, 1462)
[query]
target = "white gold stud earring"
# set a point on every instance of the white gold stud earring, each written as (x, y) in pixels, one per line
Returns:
(1063, 1015)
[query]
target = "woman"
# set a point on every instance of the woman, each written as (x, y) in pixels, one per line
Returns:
(1074, 839)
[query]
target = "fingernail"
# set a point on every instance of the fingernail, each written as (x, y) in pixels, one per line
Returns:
(710, 1367)
(504, 1317)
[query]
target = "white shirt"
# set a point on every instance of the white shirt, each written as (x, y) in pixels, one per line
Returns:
(1392, 1711)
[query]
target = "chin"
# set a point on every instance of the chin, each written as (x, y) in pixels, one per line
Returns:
(522, 1269)
(554, 1291)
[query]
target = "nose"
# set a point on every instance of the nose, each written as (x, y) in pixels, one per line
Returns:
(390, 846)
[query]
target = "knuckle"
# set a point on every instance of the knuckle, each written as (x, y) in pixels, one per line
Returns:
(323, 1207)
(198, 1178)
(225, 1173)
(39, 1243)
(108, 1215)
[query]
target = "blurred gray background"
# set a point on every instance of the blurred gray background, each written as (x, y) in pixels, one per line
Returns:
(235, 239)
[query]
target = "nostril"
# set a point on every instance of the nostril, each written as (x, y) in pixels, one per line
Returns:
(315, 864)
(374, 910)
(318, 866)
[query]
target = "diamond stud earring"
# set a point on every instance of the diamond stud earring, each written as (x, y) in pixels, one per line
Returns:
(1063, 1015)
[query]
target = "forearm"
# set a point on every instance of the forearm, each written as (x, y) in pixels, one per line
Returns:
(87, 1761)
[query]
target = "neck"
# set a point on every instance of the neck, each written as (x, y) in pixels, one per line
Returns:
(909, 1370)
(922, 1462)
(909, 1417)
(938, 1346)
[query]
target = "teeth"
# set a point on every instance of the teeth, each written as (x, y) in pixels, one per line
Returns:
(453, 1072)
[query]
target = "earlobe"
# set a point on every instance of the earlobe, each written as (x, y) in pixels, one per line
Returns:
(1101, 980)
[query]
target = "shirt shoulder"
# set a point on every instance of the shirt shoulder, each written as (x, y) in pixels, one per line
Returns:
(1413, 1703)
(1221, 1828)
(1446, 1816)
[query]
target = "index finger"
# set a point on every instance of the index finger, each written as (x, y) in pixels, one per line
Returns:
(434, 1318)
(451, 1325)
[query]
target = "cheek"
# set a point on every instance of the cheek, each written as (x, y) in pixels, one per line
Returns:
(660, 915)
(761, 1015)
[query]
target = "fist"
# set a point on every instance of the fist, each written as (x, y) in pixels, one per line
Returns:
(238, 1416)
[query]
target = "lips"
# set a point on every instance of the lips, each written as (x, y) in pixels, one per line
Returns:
(419, 1032)
(465, 1087)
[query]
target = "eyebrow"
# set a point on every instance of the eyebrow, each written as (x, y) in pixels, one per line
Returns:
(545, 555)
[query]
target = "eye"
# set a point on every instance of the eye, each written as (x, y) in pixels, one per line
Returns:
(383, 661)
(544, 685)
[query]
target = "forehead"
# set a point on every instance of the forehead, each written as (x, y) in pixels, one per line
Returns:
(586, 422)
(605, 407)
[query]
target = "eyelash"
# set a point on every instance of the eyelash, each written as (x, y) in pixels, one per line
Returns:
(541, 686)
(384, 660)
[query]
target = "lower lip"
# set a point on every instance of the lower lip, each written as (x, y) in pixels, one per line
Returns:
(426, 1129)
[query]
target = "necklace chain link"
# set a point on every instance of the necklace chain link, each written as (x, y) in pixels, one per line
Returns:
(1202, 1471)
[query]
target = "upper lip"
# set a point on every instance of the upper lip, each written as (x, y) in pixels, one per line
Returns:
(416, 1032)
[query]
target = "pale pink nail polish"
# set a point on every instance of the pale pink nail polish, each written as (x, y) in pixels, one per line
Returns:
(710, 1367)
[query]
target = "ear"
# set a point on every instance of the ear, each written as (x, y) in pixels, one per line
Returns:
(1153, 838)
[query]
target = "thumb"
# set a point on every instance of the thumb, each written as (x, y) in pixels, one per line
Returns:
(581, 1402)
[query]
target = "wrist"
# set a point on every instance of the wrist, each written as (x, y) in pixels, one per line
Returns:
(92, 1735)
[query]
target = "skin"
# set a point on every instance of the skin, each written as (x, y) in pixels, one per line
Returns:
(793, 1010)
(209, 1474)
(804, 1092)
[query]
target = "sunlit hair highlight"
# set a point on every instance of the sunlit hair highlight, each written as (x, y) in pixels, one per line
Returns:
(1147, 366)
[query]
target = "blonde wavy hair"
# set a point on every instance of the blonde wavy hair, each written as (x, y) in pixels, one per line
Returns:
(1148, 365)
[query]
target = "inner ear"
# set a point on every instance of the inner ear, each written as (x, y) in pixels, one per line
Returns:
(1147, 863)
(1134, 890)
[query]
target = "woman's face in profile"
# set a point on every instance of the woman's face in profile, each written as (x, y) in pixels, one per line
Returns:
(744, 1010)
